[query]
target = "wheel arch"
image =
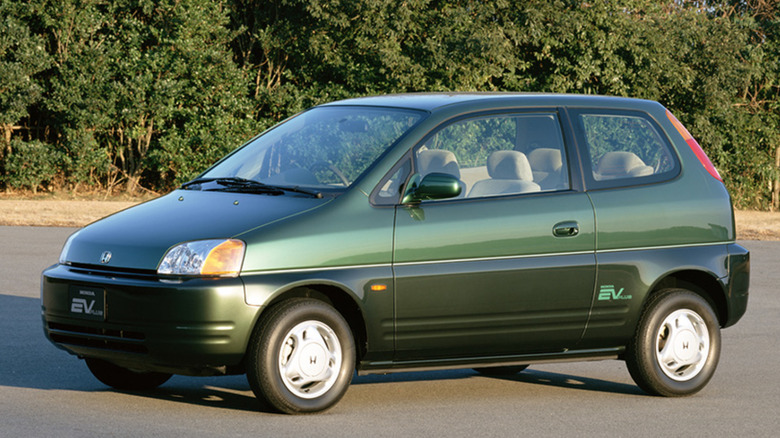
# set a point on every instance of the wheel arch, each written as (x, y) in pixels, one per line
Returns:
(700, 282)
(336, 296)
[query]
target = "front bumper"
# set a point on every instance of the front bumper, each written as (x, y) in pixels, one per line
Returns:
(187, 326)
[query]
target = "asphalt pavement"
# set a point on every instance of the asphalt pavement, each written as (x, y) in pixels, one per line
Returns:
(47, 392)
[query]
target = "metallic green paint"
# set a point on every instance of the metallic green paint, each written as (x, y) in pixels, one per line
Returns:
(190, 325)
(140, 236)
(434, 186)
(489, 275)
(639, 272)
(677, 212)
(353, 282)
(345, 232)
(465, 281)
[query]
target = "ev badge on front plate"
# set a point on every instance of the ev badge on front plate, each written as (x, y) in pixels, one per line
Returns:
(87, 302)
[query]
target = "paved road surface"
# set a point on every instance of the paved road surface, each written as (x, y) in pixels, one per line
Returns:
(46, 392)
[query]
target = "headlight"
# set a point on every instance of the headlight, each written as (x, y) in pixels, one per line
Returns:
(66, 248)
(204, 257)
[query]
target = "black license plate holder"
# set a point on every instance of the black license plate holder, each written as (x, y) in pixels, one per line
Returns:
(87, 302)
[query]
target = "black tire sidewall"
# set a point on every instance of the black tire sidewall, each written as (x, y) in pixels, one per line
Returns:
(263, 371)
(642, 361)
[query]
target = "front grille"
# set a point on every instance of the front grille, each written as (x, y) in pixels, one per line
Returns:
(106, 339)
(112, 271)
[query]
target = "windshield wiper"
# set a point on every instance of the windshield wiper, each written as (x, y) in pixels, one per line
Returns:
(232, 183)
(196, 182)
(296, 189)
(247, 185)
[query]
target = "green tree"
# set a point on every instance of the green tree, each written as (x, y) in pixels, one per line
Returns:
(695, 58)
(22, 56)
(148, 93)
(144, 90)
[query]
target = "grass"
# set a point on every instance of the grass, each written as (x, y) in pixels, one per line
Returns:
(76, 210)
(61, 209)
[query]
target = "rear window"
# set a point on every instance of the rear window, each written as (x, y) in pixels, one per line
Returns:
(625, 149)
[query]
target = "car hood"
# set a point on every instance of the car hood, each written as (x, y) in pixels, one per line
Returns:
(139, 237)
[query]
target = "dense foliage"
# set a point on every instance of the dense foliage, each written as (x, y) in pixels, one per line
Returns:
(144, 94)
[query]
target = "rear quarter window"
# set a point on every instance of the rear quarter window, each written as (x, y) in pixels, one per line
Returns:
(624, 149)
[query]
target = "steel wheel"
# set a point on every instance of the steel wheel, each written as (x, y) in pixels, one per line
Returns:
(301, 356)
(682, 345)
(676, 347)
(310, 359)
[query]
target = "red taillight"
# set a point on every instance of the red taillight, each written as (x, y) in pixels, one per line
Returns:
(694, 145)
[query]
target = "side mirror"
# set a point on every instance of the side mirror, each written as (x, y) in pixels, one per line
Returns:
(433, 186)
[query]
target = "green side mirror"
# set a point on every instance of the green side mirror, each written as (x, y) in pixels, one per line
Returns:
(433, 186)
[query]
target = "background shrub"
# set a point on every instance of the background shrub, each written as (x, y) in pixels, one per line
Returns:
(31, 164)
(140, 94)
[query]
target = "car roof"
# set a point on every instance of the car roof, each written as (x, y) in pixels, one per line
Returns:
(435, 101)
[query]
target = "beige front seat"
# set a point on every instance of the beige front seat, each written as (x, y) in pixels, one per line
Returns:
(546, 164)
(438, 161)
(509, 173)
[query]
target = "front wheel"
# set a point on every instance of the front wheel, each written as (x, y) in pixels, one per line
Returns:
(301, 357)
(677, 344)
(124, 378)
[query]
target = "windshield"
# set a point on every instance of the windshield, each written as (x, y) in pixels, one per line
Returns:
(325, 148)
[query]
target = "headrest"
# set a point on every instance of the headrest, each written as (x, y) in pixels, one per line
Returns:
(509, 165)
(439, 161)
(545, 159)
(622, 163)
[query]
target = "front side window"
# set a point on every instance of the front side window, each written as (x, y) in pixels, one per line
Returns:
(625, 147)
(325, 148)
(499, 155)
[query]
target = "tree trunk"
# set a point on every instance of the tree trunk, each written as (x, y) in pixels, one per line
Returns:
(776, 188)
(132, 184)
(5, 148)
(7, 131)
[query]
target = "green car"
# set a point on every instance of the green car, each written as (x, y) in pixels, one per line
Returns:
(416, 232)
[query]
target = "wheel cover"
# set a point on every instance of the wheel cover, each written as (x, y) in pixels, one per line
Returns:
(682, 345)
(310, 359)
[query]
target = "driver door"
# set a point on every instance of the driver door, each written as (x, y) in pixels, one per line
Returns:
(508, 268)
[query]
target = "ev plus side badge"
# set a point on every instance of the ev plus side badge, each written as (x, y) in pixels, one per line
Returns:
(607, 292)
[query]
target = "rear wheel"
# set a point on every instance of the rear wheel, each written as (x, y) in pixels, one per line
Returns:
(301, 357)
(677, 344)
(124, 378)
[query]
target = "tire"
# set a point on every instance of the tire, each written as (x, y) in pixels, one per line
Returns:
(123, 378)
(301, 357)
(676, 347)
(501, 371)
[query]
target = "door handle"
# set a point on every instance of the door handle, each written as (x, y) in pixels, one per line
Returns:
(566, 229)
